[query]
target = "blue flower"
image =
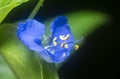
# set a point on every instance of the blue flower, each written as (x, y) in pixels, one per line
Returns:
(53, 48)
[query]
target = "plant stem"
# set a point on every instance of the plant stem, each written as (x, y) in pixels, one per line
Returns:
(36, 9)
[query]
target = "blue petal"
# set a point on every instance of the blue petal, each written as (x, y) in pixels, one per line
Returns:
(58, 55)
(59, 21)
(59, 27)
(61, 34)
(30, 33)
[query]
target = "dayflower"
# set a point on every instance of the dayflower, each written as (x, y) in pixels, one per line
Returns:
(53, 48)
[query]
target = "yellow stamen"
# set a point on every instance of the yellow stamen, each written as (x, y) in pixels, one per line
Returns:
(54, 41)
(62, 44)
(62, 37)
(66, 46)
(76, 47)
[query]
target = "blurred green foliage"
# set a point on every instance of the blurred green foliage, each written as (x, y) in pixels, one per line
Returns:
(5, 72)
(7, 5)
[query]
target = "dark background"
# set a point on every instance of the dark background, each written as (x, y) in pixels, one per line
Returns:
(99, 56)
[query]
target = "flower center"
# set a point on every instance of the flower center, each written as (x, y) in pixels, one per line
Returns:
(63, 44)
(63, 38)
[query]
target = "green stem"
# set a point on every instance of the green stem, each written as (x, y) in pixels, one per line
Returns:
(36, 9)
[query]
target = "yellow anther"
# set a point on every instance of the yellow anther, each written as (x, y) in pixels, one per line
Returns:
(63, 37)
(54, 41)
(66, 45)
(62, 44)
(76, 47)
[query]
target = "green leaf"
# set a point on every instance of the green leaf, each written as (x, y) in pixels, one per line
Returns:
(5, 72)
(84, 23)
(24, 63)
(7, 5)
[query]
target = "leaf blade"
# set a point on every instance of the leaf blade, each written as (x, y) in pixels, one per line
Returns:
(7, 5)
(5, 72)
(84, 23)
